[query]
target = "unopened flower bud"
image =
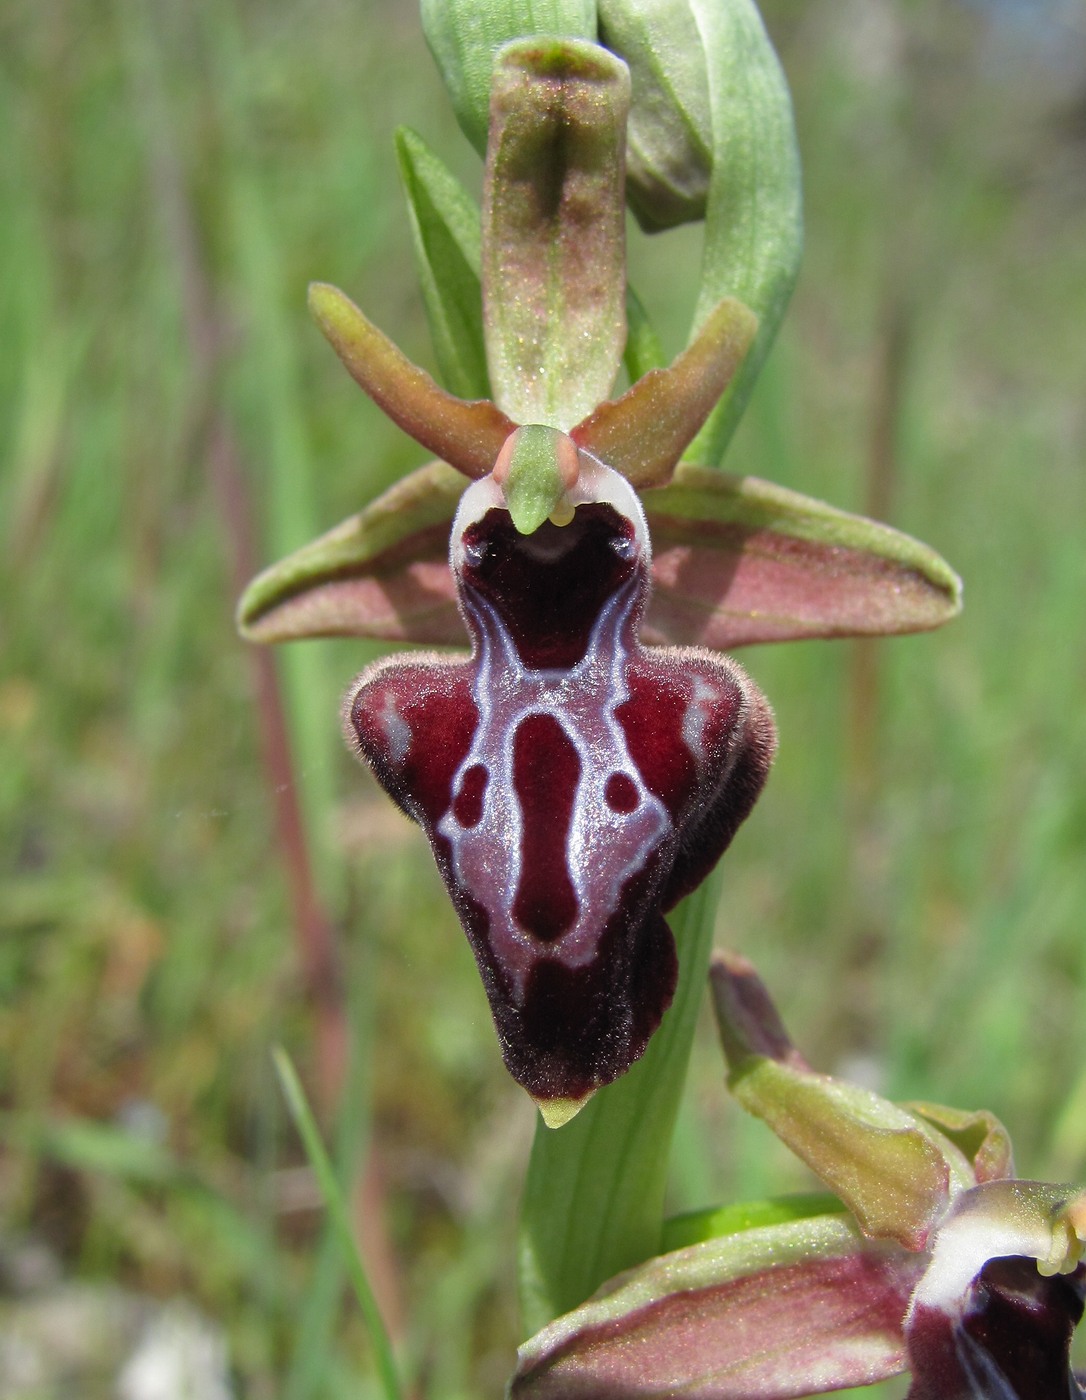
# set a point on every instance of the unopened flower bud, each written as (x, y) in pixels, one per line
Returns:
(669, 138)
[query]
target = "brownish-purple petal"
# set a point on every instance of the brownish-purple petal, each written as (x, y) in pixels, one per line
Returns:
(644, 433)
(467, 435)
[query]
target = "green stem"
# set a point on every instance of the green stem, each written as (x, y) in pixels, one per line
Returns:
(594, 1197)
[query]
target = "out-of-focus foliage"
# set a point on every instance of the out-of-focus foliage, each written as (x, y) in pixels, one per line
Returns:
(913, 881)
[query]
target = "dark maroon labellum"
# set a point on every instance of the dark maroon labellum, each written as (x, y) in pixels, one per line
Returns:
(1010, 1339)
(574, 784)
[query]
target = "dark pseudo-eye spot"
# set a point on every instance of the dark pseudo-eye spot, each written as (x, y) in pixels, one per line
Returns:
(468, 803)
(475, 550)
(620, 794)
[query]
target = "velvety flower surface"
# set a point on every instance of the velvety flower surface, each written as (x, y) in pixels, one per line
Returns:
(573, 783)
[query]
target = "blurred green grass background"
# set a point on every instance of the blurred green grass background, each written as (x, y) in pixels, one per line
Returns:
(913, 881)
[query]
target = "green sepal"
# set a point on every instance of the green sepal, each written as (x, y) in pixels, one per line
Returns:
(880, 1162)
(446, 236)
(753, 220)
(383, 573)
(889, 1169)
(554, 252)
(737, 560)
(465, 37)
(785, 1310)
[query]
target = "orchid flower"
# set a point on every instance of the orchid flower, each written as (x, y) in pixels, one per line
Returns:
(930, 1256)
(590, 761)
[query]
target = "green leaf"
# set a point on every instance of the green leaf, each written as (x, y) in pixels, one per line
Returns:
(85, 1145)
(643, 349)
(336, 1207)
(753, 221)
(383, 573)
(445, 228)
(644, 433)
(465, 36)
(468, 436)
(554, 252)
(785, 1310)
(737, 560)
(593, 1199)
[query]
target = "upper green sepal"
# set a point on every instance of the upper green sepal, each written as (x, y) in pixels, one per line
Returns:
(554, 250)
(892, 1168)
